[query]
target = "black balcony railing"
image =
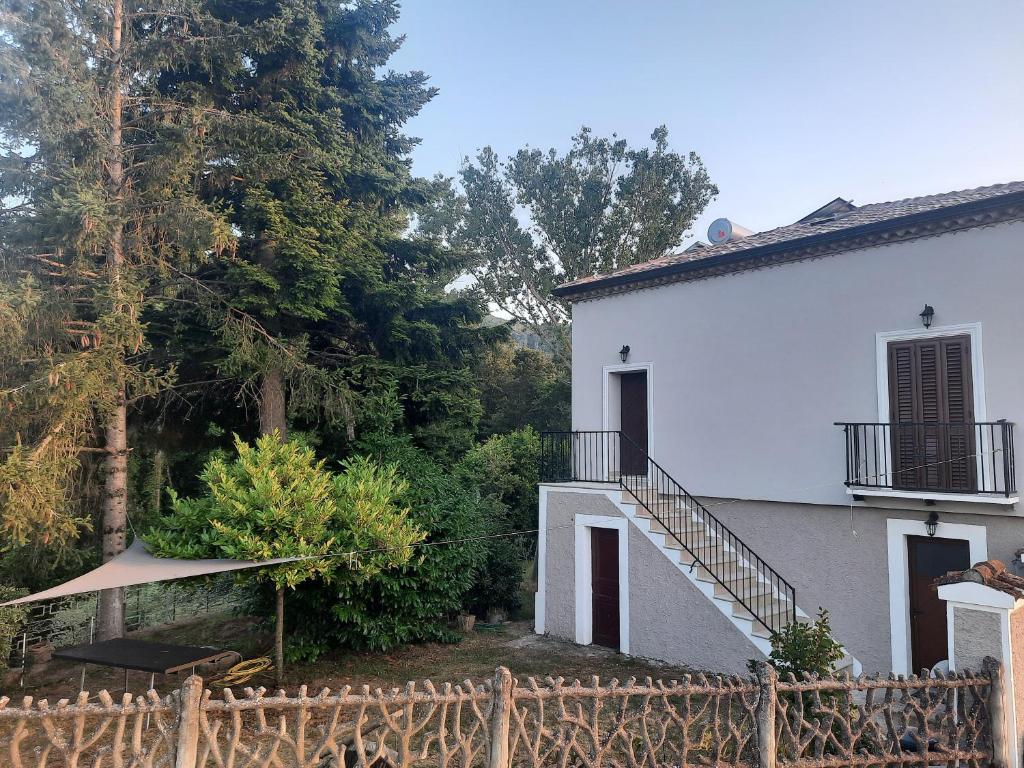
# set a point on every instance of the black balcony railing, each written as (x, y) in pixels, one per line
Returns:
(973, 458)
(599, 457)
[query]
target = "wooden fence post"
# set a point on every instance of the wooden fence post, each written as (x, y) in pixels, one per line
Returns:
(191, 696)
(767, 679)
(501, 713)
(997, 711)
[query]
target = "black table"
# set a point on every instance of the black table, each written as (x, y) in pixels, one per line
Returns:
(143, 655)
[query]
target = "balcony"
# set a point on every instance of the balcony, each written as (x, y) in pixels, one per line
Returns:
(967, 461)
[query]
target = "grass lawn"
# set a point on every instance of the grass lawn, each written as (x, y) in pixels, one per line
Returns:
(512, 644)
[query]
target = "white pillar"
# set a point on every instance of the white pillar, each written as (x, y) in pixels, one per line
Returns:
(984, 621)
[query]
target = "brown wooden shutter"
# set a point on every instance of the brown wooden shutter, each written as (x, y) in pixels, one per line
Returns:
(930, 384)
(903, 398)
(956, 356)
(959, 396)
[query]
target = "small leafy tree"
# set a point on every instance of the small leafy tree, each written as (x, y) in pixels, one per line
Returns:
(810, 649)
(536, 219)
(806, 648)
(503, 471)
(504, 468)
(522, 388)
(276, 500)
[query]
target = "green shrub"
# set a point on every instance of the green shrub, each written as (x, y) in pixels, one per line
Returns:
(498, 582)
(504, 469)
(405, 604)
(806, 648)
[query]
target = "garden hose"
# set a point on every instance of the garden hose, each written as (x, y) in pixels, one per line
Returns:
(243, 671)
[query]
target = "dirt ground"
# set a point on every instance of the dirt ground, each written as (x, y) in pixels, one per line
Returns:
(511, 644)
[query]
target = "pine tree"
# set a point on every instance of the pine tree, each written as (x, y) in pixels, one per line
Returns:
(98, 172)
(325, 297)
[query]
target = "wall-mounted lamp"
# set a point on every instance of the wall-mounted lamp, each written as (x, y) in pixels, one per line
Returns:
(927, 314)
(624, 353)
(932, 523)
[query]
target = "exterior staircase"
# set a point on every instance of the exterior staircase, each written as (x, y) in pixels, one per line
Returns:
(740, 584)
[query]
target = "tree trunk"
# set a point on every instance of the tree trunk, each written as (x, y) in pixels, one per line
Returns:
(273, 415)
(279, 639)
(115, 518)
(157, 483)
(115, 491)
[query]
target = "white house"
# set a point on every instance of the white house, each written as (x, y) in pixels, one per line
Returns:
(820, 415)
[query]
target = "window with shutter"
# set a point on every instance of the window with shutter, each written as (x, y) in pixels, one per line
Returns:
(931, 411)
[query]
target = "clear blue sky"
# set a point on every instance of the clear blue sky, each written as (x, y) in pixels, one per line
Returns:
(789, 103)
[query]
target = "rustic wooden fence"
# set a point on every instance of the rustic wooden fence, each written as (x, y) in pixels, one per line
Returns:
(759, 721)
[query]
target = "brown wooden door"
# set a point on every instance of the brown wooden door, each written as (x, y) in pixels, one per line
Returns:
(633, 422)
(604, 584)
(928, 559)
(930, 383)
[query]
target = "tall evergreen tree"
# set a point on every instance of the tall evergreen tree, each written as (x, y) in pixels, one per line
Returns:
(98, 175)
(328, 298)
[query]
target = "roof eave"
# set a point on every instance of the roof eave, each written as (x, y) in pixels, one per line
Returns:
(818, 241)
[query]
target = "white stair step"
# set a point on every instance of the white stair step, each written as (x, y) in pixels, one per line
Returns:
(778, 619)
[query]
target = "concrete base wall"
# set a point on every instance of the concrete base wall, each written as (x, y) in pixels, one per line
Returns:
(670, 619)
(835, 557)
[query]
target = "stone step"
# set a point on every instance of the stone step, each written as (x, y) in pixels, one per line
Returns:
(766, 606)
(780, 619)
(682, 547)
(710, 573)
(660, 509)
(722, 562)
(692, 534)
(742, 588)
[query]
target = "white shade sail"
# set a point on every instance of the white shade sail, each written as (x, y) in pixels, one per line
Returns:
(137, 566)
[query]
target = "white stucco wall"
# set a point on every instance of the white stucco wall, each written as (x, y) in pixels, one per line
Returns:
(751, 370)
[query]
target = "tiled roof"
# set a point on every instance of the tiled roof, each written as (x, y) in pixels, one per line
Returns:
(897, 212)
(991, 573)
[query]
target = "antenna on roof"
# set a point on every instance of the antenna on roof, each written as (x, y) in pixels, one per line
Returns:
(723, 230)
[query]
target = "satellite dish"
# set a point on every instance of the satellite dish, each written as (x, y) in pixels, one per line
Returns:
(723, 230)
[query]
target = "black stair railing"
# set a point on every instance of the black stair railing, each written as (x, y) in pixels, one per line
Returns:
(596, 457)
